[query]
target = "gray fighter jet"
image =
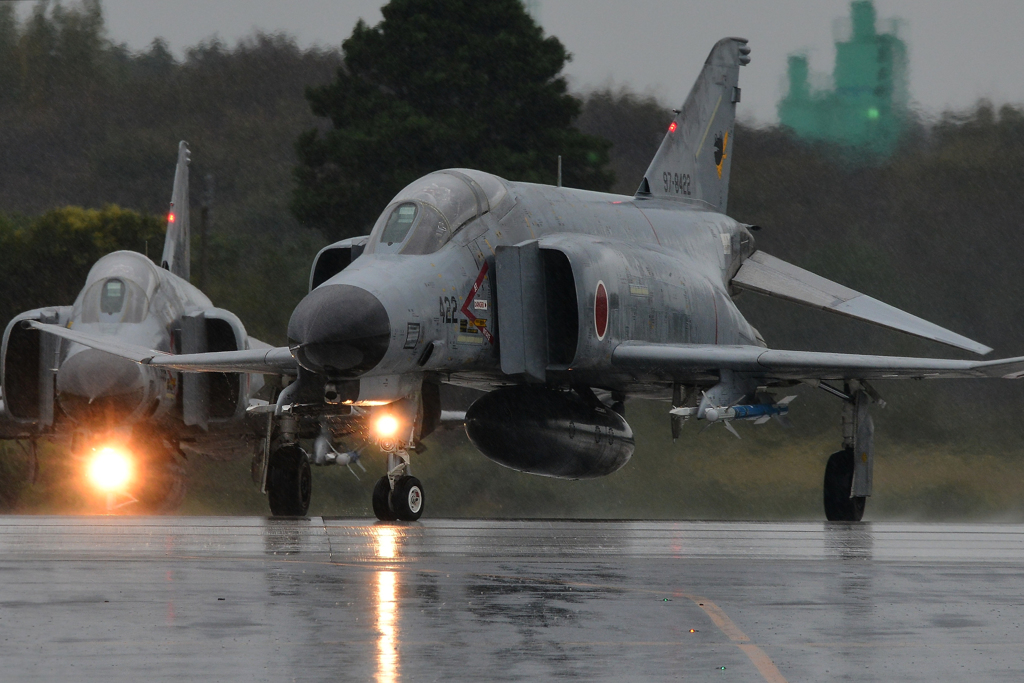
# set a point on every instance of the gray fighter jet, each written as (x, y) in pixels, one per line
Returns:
(97, 403)
(561, 304)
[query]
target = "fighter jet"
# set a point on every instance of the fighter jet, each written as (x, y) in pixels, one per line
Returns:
(560, 304)
(129, 423)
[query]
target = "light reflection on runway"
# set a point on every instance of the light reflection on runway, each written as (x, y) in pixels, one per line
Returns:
(387, 625)
(386, 543)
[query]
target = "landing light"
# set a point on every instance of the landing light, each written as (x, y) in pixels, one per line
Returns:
(385, 426)
(110, 469)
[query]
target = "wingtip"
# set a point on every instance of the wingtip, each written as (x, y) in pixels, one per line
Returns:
(961, 342)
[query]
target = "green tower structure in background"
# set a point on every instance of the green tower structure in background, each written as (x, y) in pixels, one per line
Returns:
(866, 109)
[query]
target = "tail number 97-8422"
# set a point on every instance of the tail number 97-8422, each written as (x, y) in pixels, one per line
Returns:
(678, 183)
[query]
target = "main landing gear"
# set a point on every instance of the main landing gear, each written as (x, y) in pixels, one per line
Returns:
(848, 473)
(281, 468)
(840, 504)
(289, 481)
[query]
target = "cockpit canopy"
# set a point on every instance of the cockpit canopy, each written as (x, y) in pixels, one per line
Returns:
(117, 290)
(424, 216)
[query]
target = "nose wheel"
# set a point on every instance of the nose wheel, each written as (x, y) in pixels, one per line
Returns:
(407, 499)
(397, 495)
(382, 501)
(404, 502)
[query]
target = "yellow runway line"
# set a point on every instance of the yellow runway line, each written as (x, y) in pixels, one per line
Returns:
(758, 657)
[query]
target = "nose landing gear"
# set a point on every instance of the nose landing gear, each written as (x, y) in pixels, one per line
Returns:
(281, 467)
(398, 495)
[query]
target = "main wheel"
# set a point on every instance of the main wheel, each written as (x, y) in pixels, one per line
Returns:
(289, 482)
(839, 506)
(161, 484)
(164, 488)
(407, 499)
(381, 501)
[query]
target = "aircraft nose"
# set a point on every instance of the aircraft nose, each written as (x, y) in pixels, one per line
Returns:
(91, 382)
(340, 331)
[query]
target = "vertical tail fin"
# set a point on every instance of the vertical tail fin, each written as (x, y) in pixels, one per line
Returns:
(177, 253)
(693, 161)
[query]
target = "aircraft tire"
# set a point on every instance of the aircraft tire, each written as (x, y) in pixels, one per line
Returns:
(165, 489)
(407, 499)
(382, 501)
(839, 506)
(289, 482)
(163, 484)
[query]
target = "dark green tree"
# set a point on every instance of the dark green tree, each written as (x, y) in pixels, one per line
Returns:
(635, 125)
(440, 84)
(45, 260)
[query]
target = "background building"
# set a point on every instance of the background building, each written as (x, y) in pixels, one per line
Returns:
(866, 107)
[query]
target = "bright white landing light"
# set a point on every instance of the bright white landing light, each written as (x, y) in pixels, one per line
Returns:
(385, 426)
(110, 469)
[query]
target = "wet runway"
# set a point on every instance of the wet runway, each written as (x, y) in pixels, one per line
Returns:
(225, 599)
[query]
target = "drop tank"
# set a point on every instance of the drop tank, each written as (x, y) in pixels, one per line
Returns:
(551, 433)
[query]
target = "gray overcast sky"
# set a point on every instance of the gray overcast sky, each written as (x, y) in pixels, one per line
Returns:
(959, 51)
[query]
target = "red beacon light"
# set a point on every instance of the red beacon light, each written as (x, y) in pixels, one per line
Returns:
(170, 217)
(672, 127)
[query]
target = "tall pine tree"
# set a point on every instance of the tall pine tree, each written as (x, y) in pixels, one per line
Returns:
(440, 84)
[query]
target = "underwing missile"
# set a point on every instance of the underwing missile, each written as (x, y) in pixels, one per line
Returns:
(759, 413)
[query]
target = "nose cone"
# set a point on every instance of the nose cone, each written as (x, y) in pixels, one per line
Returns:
(91, 382)
(340, 331)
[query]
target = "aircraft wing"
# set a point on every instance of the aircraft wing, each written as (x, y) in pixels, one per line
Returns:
(268, 360)
(765, 274)
(686, 360)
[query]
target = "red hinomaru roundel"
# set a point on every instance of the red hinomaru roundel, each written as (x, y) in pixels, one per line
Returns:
(601, 310)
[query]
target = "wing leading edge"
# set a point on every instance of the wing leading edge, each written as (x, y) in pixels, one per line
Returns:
(268, 360)
(682, 361)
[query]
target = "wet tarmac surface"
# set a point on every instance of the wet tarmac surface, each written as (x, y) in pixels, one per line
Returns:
(225, 599)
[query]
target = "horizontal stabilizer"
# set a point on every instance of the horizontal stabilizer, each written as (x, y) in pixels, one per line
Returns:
(766, 274)
(268, 360)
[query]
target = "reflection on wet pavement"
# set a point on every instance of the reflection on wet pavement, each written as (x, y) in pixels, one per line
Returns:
(330, 599)
(387, 625)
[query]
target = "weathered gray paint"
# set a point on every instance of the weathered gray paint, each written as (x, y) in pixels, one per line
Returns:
(863, 446)
(520, 284)
(49, 349)
(195, 401)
